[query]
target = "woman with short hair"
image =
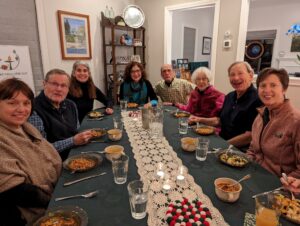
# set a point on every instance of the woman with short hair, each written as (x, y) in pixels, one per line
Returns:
(29, 164)
(276, 130)
(205, 100)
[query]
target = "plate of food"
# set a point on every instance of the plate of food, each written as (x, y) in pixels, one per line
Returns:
(95, 114)
(233, 158)
(132, 105)
(289, 208)
(181, 114)
(63, 215)
(82, 162)
(204, 130)
(98, 132)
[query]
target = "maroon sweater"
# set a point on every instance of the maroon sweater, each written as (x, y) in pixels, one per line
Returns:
(204, 104)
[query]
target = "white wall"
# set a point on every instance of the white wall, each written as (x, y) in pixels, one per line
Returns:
(229, 20)
(49, 34)
(280, 15)
(200, 19)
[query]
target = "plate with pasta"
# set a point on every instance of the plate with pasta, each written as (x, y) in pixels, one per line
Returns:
(82, 162)
(62, 216)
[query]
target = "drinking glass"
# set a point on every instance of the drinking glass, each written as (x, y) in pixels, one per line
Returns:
(156, 123)
(123, 105)
(118, 124)
(120, 169)
(267, 210)
(202, 148)
(183, 125)
(138, 197)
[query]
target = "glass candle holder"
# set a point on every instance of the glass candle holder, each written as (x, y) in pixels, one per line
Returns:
(160, 170)
(166, 186)
(181, 174)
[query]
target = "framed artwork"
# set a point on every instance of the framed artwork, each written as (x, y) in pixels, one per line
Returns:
(295, 47)
(74, 32)
(183, 63)
(206, 45)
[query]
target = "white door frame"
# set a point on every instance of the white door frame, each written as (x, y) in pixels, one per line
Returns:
(191, 5)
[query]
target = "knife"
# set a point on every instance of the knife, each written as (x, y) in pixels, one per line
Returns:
(84, 178)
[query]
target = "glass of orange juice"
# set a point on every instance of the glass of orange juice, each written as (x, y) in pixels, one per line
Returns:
(266, 210)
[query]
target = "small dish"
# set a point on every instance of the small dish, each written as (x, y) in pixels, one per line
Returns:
(82, 162)
(64, 215)
(114, 134)
(132, 105)
(181, 114)
(204, 130)
(225, 191)
(233, 158)
(113, 151)
(98, 132)
(95, 114)
(189, 144)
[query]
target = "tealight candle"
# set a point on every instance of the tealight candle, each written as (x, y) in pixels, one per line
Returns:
(180, 177)
(166, 183)
(160, 170)
(166, 187)
(181, 171)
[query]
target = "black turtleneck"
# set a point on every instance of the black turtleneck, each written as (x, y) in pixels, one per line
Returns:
(85, 103)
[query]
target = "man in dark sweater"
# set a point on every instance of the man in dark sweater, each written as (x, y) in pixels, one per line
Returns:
(55, 116)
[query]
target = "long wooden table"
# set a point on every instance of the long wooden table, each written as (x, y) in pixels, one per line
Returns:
(111, 206)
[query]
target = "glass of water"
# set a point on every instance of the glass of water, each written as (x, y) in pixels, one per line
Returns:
(123, 105)
(120, 169)
(138, 197)
(183, 125)
(202, 148)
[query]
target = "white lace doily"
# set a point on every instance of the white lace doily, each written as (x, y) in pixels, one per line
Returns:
(148, 152)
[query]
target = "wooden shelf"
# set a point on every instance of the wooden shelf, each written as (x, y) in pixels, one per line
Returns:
(109, 33)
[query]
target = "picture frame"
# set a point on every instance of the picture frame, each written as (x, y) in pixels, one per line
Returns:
(74, 32)
(295, 45)
(183, 63)
(206, 45)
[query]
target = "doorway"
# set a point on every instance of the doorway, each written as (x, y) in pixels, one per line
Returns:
(191, 9)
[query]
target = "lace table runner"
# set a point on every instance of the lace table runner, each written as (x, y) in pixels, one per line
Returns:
(148, 152)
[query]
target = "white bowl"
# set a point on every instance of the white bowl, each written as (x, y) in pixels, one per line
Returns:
(227, 196)
(114, 134)
(189, 143)
(114, 151)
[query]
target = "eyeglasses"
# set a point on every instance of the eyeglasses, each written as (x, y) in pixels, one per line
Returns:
(135, 71)
(57, 85)
(82, 70)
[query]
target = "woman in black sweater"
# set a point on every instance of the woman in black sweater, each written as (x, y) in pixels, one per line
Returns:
(83, 90)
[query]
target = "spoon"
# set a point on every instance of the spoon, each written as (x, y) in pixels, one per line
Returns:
(287, 181)
(88, 152)
(87, 195)
(229, 149)
(246, 177)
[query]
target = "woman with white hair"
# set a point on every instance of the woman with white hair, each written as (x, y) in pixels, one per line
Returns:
(205, 100)
(83, 90)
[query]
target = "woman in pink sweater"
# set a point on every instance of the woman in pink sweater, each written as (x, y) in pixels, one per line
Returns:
(205, 100)
(275, 141)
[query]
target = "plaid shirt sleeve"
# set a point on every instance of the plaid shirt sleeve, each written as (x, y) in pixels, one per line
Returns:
(60, 145)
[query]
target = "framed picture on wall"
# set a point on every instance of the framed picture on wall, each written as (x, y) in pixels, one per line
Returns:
(74, 32)
(206, 45)
(183, 63)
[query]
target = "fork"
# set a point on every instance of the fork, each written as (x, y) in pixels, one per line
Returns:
(287, 181)
(87, 195)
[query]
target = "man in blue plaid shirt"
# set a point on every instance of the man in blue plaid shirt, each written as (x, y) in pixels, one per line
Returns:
(55, 116)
